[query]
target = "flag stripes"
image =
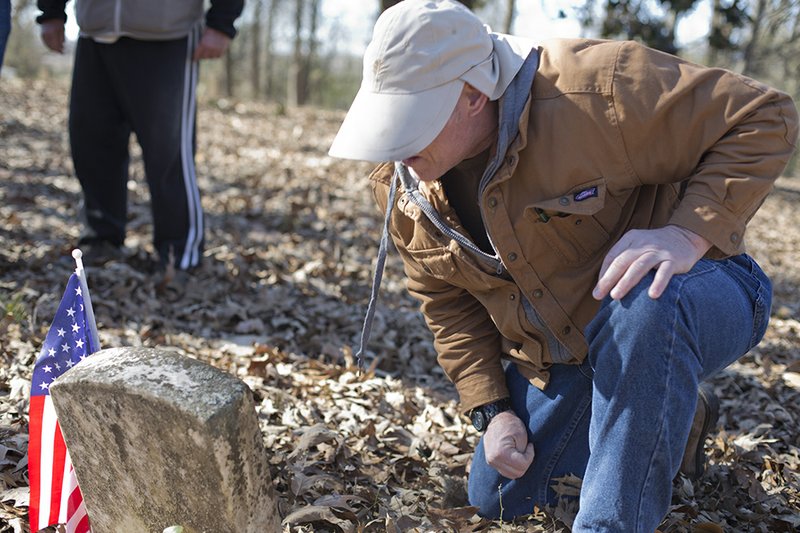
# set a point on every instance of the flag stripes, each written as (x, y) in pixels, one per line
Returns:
(54, 494)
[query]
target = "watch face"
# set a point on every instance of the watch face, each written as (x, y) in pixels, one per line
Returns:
(478, 419)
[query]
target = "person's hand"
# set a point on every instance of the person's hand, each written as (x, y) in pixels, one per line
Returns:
(670, 250)
(212, 45)
(52, 32)
(506, 445)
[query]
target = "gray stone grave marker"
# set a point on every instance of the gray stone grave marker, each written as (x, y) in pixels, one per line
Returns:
(158, 440)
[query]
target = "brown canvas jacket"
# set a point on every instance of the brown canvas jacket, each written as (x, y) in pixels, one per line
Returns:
(614, 136)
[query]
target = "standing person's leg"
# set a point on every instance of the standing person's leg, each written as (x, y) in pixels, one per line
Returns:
(5, 27)
(558, 425)
(158, 80)
(99, 136)
(648, 357)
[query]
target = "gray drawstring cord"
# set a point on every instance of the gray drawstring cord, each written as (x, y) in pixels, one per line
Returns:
(366, 329)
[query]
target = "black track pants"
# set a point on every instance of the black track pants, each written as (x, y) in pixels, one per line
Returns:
(148, 88)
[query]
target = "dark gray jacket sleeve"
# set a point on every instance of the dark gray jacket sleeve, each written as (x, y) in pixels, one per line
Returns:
(51, 9)
(222, 14)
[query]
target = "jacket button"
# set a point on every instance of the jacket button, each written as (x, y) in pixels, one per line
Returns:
(511, 160)
(734, 237)
(563, 200)
(492, 202)
(566, 330)
(512, 297)
(538, 293)
(512, 256)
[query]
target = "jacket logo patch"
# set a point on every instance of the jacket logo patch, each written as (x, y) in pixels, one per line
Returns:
(580, 196)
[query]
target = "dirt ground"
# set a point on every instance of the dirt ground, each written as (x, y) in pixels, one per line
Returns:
(291, 239)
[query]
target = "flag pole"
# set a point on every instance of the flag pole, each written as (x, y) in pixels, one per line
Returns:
(87, 300)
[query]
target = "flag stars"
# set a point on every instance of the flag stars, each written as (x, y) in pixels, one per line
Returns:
(65, 345)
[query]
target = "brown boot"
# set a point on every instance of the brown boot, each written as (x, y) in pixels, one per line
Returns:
(706, 415)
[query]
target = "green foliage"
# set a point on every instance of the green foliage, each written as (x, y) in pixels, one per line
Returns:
(639, 20)
(726, 20)
(14, 307)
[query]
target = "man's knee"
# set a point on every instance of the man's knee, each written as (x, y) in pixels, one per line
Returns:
(622, 329)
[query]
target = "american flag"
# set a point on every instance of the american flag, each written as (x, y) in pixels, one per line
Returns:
(55, 497)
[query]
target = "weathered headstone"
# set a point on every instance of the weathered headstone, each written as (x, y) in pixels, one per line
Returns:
(158, 440)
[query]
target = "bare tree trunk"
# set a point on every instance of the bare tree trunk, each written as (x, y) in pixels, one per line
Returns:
(255, 53)
(750, 62)
(229, 73)
(712, 56)
(269, 87)
(510, 14)
(789, 50)
(311, 54)
(293, 88)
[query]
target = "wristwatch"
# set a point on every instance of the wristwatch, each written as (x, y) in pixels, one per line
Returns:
(481, 416)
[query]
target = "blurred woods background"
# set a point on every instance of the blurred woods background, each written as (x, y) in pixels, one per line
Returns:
(308, 52)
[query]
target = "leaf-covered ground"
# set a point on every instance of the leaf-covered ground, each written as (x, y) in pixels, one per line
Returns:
(278, 302)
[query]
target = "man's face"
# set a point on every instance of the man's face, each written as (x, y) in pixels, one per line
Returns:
(462, 137)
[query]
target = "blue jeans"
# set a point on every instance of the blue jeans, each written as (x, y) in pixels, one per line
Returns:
(5, 27)
(621, 419)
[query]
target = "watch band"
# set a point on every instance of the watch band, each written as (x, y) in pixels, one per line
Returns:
(481, 416)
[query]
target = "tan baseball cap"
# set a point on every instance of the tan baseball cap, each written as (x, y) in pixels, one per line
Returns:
(421, 54)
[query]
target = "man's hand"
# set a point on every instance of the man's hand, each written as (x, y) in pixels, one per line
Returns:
(212, 45)
(670, 250)
(506, 445)
(52, 32)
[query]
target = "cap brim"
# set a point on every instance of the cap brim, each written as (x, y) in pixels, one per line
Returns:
(393, 127)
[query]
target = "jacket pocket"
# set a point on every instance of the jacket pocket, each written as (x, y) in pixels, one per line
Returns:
(569, 223)
(436, 262)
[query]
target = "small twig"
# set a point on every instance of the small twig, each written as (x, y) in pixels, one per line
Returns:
(500, 495)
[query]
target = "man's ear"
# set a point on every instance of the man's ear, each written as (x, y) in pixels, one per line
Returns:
(476, 100)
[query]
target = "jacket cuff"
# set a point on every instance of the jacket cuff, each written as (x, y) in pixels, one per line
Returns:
(52, 15)
(222, 15)
(723, 230)
(483, 388)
